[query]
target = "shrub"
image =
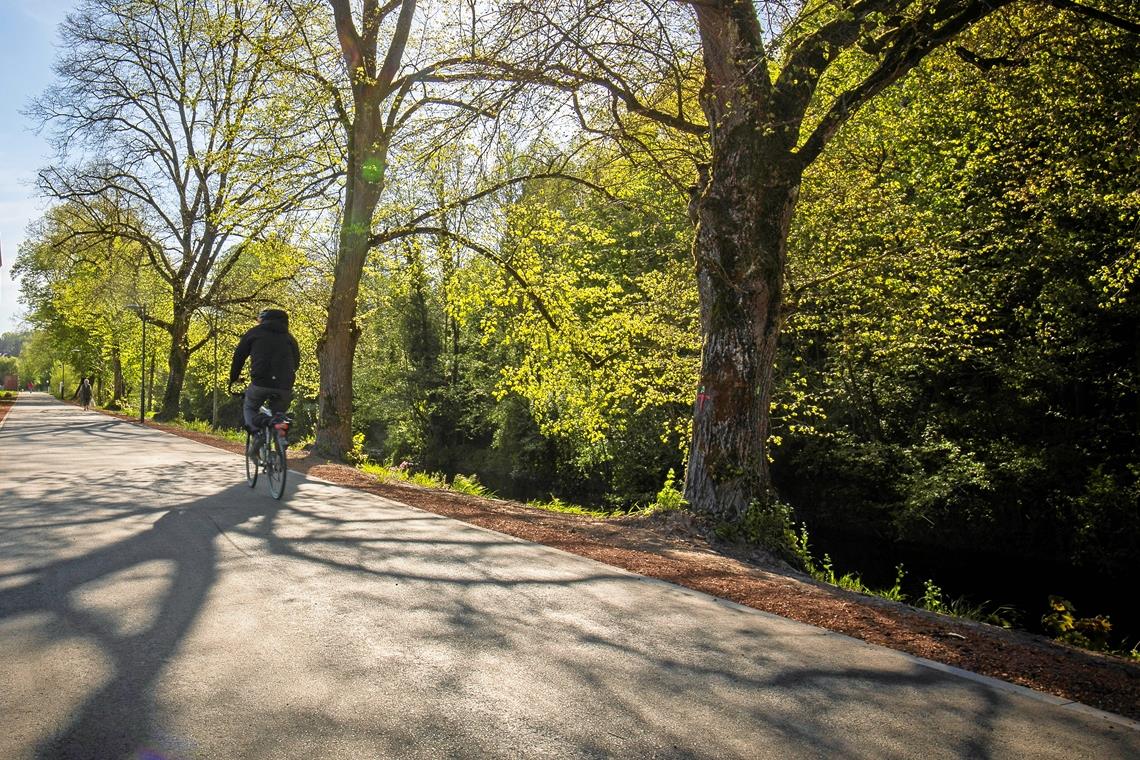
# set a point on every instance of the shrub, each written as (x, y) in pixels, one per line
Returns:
(932, 597)
(1062, 624)
(669, 497)
(767, 524)
(470, 485)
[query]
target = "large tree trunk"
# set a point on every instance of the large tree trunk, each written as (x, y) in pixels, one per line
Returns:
(364, 181)
(741, 245)
(337, 346)
(119, 384)
(177, 361)
(743, 212)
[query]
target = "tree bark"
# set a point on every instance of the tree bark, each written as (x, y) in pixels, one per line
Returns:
(364, 178)
(741, 248)
(178, 359)
(119, 384)
(743, 213)
(743, 209)
(337, 346)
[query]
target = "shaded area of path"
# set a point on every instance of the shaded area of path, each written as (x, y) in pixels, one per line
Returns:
(149, 601)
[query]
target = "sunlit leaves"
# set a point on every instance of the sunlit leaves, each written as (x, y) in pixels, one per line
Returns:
(616, 331)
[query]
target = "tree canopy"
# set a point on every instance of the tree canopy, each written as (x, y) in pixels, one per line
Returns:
(870, 265)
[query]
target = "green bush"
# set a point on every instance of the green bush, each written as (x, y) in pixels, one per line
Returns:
(1062, 624)
(470, 485)
(932, 597)
(768, 524)
(669, 497)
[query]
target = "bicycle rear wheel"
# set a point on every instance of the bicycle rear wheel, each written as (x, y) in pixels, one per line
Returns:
(251, 465)
(275, 465)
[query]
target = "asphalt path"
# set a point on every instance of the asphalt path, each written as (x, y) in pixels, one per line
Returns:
(153, 606)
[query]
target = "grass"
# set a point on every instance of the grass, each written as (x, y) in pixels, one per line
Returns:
(932, 598)
(557, 505)
(470, 485)
(201, 426)
(387, 474)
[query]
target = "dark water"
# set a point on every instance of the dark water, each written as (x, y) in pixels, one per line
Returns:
(987, 577)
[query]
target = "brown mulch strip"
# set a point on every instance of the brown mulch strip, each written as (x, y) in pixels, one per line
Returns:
(676, 548)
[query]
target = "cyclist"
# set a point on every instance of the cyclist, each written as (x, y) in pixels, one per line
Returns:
(273, 359)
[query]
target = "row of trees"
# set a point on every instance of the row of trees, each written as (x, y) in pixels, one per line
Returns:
(486, 219)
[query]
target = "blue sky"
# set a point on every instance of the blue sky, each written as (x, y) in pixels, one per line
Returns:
(27, 51)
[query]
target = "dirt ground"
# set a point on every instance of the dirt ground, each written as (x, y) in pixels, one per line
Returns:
(676, 547)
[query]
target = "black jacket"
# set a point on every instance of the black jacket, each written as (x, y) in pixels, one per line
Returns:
(273, 355)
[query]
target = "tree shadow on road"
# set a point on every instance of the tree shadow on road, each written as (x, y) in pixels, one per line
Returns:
(115, 719)
(405, 600)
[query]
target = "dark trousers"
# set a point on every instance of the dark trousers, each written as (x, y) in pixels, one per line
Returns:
(255, 396)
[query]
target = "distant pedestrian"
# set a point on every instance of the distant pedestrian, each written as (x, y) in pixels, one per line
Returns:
(83, 392)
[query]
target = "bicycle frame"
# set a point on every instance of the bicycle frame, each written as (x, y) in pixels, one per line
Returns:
(272, 429)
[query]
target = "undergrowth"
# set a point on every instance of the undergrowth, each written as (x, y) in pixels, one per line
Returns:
(557, 505)
(201, 426)
(932, 598)
(669, 498)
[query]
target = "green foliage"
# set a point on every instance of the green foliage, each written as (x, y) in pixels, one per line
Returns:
(669, 498)
(12, 342)
(595, 313)
(768, 525)
(1062, 624)
(470, 485)
(557, 505)
(958, 368)
(801, 547)
(1002, 616)
(932, 597)
(200, 426)
(824, 572)
(357, 455)
(389, 474)
(428, 480)
(382, 472)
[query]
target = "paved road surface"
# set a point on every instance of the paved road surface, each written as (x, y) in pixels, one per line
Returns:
(152, 606)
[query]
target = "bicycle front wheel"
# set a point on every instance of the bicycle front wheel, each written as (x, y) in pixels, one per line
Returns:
(275, 466)
(251, 465)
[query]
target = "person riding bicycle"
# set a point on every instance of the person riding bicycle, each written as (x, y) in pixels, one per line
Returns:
(273, 359)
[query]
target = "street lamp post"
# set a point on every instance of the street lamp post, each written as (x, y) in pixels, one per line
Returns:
(141, 311)
(215, 330)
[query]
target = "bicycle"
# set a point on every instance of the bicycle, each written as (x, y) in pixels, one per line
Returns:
(273, 427)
